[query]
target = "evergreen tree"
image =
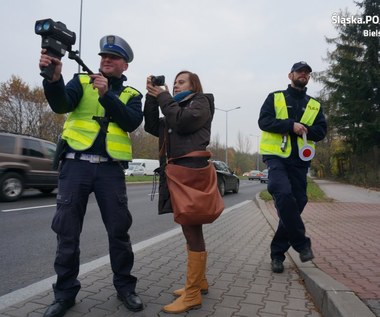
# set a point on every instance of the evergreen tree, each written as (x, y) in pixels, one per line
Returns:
(351, 82)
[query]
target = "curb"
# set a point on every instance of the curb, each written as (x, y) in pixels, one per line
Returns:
(332, 298)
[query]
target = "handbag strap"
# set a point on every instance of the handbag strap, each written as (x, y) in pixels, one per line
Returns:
(206, 154)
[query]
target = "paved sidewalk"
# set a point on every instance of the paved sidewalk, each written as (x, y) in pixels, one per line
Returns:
(241, 281)
(342, 281)
(345, 239)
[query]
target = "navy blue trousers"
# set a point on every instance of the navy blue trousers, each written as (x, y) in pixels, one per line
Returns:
(287, 184)
(77, 179)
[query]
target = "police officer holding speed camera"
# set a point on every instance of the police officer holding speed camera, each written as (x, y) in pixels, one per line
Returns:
(102, 111)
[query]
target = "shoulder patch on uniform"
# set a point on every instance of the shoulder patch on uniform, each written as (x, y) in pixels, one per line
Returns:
(132, 89)
(84, 78)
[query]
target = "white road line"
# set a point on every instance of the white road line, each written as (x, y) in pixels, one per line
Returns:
(28, 208)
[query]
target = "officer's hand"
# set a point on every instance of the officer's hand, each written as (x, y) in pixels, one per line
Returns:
(46, 60)
(299, 128)
(100, 82)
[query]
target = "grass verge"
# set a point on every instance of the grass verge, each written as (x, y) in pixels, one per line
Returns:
(314, 193)
(136, 179)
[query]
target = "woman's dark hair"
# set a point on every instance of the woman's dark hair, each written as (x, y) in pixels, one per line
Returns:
(194, 80)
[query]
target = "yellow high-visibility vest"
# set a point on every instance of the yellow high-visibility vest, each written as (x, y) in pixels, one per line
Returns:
(80, 130)
(270, 143)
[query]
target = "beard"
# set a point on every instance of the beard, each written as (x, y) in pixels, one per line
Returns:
(299, 83)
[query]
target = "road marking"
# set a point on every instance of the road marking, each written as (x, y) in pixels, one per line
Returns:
(28, 208)
(44, 285)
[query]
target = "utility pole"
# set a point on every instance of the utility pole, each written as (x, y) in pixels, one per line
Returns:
(226, 112)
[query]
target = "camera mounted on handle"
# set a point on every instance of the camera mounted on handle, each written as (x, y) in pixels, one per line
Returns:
(57, 40)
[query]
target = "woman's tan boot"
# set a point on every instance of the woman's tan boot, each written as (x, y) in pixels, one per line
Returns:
(204, 283)
(204, 288)
(191, 297)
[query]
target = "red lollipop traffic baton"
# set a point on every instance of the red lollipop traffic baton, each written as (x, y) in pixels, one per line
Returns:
(306, 152)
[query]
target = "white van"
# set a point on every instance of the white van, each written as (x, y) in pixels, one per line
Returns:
(138, 164)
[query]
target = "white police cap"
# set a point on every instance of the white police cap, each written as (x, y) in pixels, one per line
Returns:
(115, 45)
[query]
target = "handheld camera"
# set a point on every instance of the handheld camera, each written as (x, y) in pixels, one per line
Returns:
(56, 39)
(158, 80)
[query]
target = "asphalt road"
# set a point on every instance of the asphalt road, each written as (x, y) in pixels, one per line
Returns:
(27, 244)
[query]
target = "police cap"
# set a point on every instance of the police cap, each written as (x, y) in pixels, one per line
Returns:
(299, 65)
(115, 45)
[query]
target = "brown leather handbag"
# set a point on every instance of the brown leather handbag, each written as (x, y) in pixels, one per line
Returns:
(194, 193)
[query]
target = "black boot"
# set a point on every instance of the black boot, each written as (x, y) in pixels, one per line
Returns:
(277, 266)
(59, 308)
(131, 301)
(306, 255)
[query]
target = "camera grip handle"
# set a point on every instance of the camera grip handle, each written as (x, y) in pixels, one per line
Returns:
(48, 71)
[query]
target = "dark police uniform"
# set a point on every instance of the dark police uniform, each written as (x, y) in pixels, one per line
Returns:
(287, 175)
(98, 169)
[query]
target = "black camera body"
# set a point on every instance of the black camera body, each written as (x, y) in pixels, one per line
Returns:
(56, 39)
(158, 80)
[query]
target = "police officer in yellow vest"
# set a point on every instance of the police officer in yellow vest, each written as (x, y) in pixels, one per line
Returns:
(102, 112)
(284, 117)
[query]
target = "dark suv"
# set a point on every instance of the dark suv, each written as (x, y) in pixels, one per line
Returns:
(25, 162)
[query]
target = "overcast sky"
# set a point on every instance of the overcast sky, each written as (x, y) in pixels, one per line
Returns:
(241, 49)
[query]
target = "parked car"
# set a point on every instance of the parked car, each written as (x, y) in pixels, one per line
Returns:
(264, 176)
(227, 180)
(135, 170)
(25, 162)
(147, 164)
(255, 174)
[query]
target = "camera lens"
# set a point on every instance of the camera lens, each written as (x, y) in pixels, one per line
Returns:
(46, 26)
(38, 27)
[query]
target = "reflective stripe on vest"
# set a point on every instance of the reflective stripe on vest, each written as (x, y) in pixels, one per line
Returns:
(80, 130)
(270, 143)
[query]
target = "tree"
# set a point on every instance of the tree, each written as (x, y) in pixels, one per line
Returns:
(351, 96)
(244, 143)
(352, 82)
(216, 148)
(144, 145)
(26, 111)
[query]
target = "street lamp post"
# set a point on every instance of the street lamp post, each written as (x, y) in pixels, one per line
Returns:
(257, 150)
(227, 111)
(80, 32)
